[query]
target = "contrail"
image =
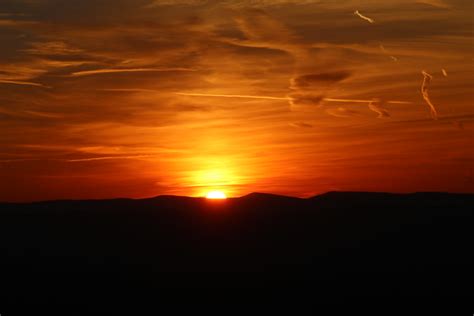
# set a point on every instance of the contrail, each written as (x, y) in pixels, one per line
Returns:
(123, 70)
(232, 96)
(24, 83)
(363, 16)
(278, 98)
(362, 101)
(77, 160)
(345, 100)
(444, 72)
(109, 158)
(424, 92)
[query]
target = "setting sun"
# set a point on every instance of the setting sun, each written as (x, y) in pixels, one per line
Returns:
(216, 195)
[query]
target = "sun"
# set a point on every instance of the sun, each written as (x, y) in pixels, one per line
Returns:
(216, 195)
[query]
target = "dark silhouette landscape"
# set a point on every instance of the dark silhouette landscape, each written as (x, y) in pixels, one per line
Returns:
(263, 250)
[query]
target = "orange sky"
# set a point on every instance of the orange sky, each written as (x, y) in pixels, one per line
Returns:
(136, 98)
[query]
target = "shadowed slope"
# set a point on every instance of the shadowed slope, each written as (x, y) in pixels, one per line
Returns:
(270, 249)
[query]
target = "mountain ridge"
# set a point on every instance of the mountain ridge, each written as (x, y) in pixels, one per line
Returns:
(256, 195)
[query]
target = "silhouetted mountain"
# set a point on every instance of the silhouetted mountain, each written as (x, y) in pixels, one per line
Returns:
(274, 251)
(257, 196)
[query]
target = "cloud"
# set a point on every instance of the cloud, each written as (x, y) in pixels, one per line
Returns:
(52, 48)
(262, 30)
(128, 90)
(384, 50)
(276, 3)
(363, 16)
(232, 96)
(424, 92)
(110, 158)
(298, 100)
(451, 119)
(316, 80)
(23, 83)
(231, 3)
(259, 26)
(125, 70)
(342, 112)
(17, 23)
(378, 106)
(159, 3)
(309, 90)
(44, 114)
(435, 3)
(301, 125)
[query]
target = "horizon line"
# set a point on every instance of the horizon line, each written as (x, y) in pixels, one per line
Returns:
(234, 197)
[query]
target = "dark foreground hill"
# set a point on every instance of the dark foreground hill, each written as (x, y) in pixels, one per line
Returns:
(261, 251)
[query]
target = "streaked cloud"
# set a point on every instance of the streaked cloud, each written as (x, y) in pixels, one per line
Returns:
(22, 83)
(313, 81)
(384, 50)
(363, 17)
(342, 112)
(238, 96)
(52, 48)
(124, 70)
(378, 106)
(110, 158)
(301, 125)
(435, 3)
(424, 92)
(43, 114)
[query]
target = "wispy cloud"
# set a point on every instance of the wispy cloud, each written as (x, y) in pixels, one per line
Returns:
(363, 101)
(262, 30)
(378, 107)
(23, 83)
(110, 158)
(424, 92)
(296, 99)
(125, 70)
(363, 16)
(17, 23)
(310, 89)
(44, 114)
(301, 125)
(52, 48)
(239, 96)
(159, 3)
(128, 90)
(435, 3)
(384, 50)
(315, 80)
(342, 112)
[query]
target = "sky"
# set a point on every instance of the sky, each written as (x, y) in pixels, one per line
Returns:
(137, 98)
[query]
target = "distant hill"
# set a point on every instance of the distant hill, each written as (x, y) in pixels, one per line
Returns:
(274, 251)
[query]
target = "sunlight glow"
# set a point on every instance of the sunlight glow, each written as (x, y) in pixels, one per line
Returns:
(216, 195)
